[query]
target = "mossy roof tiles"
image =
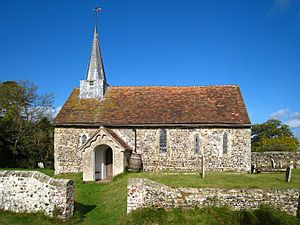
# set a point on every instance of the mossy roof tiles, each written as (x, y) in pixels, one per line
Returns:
(143, 105)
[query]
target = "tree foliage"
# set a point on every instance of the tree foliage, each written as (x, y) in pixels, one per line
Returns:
(26, 134)
(273, 136)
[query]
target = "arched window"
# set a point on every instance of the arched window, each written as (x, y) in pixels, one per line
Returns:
(163, 141)
(83, 139)
(225, 143)
(197, 144)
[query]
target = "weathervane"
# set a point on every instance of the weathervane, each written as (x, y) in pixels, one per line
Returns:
(96, 11)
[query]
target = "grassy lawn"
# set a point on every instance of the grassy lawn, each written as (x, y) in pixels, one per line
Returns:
(225, 180)
(106, 203)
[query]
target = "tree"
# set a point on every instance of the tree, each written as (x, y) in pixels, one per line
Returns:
(22, 111)
(273, 136)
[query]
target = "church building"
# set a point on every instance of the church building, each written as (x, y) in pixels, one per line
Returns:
(103, 129)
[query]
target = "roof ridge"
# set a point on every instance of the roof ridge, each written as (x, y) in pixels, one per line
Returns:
(179, 86)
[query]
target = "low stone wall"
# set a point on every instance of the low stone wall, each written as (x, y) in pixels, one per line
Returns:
(32, 191)
(142, 193)
(263, 160)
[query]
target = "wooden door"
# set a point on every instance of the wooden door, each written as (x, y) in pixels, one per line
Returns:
(109, 163)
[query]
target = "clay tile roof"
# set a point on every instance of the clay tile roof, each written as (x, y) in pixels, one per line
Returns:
(144, 105)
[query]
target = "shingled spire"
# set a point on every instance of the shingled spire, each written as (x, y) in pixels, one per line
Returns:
(95, 69)
(94, 85)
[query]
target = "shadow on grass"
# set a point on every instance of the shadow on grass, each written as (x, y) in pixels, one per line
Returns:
(81, 210)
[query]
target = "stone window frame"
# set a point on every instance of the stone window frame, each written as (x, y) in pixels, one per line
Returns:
(162, 138)
(197, 144)
(81, 137)
(225, 143)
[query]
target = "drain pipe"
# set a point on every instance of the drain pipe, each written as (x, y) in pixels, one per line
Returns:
(134, 129)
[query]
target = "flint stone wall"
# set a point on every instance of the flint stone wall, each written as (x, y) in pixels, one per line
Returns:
(67, 142)
(144, 193)
(32, 191)
(263, 160)
(180, 148)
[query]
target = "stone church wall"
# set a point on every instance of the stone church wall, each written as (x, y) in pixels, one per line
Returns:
(180, 143)
(32, 191)
(67, 142)
(180, 153)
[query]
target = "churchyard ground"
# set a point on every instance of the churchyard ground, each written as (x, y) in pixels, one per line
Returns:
(105, 203)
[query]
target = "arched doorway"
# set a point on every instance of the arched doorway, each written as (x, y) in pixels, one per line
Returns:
(103, 162)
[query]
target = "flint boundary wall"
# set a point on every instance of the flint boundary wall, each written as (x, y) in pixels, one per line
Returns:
(144, 193)
(32, 191)
(263, 160)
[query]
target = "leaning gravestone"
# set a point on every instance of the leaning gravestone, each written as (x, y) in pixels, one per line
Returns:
(273, 163)
(288, 174)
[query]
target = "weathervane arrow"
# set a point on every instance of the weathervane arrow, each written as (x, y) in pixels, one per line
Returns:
(96, 10)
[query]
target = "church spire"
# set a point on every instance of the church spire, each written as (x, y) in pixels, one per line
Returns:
(95, 68)
(94, 85)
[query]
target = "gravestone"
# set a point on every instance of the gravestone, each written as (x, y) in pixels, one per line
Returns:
(273, 163)
(288, 174)
(253, 168)
(41, 165)
(203, 167)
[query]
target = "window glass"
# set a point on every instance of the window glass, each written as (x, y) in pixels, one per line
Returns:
(163, 141)
(225, 143)
(197, 144)
(83, 139)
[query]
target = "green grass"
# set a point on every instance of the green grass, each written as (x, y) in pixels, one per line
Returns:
(211, 216)
(229, 180)
(106, 203)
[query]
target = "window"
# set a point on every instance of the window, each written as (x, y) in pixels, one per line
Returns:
(197, 144)
(225, 143)
(83, 139)
(163, 141)
(91, 83)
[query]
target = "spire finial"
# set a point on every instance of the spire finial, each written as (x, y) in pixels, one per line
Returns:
(96, 11)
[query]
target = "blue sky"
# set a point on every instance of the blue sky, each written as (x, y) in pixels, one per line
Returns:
(252, 43)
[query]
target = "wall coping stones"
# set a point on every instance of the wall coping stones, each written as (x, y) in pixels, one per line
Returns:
(38, 176)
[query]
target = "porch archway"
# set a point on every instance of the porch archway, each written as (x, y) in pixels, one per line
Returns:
(103, 162)
(103, 153)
